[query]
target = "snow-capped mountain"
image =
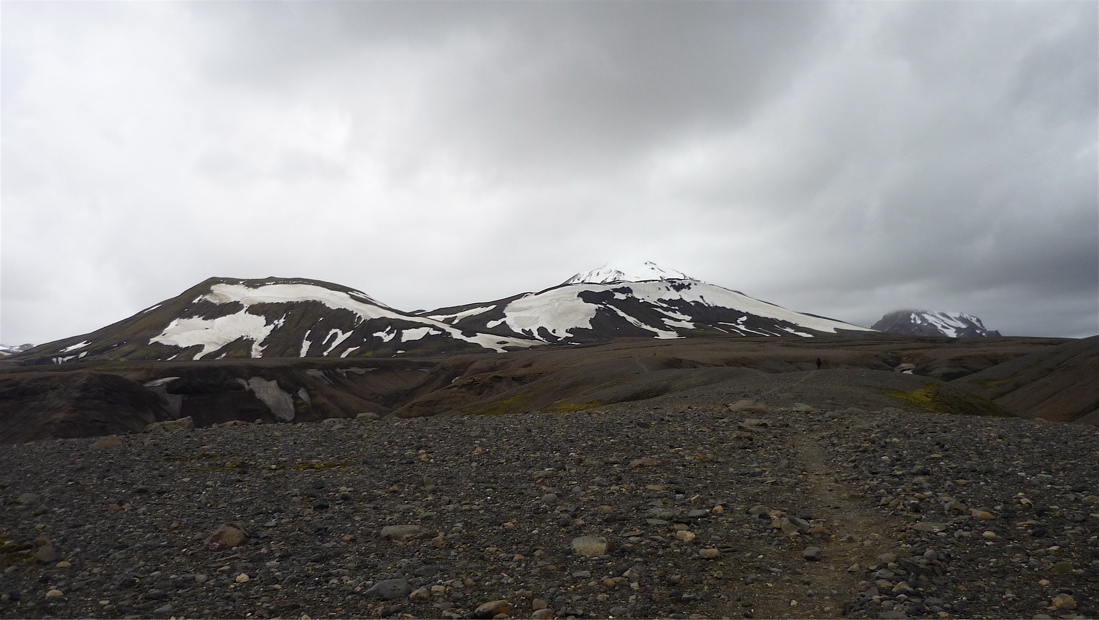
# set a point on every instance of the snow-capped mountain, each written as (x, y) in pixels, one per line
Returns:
(647, 301)
(277, 317)
(642, 272)
(932, 323)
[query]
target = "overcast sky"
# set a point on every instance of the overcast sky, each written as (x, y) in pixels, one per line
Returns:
(843, 159)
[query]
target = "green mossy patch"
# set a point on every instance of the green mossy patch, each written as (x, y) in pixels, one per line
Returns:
(230, 466)
(498, 407)
(198, 456)
(571, 407)
(926, 398)
(314, 466)
(15, 553)
(931, 399)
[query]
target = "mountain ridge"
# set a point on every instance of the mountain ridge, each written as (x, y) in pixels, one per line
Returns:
(299, 317)
(933, 323)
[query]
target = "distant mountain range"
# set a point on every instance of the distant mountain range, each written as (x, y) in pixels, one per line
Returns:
(6, 350)
(929, 323)
(294, 317)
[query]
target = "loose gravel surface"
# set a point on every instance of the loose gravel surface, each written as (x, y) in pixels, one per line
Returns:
(678, 507)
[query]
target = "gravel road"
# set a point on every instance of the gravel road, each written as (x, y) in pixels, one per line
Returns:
(695, 505)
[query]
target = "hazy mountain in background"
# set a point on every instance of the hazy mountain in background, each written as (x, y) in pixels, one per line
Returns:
(932, 323)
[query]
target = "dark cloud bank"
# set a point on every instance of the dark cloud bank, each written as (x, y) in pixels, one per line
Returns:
(844, 159)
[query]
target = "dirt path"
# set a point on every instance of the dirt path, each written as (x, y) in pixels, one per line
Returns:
(858, 535)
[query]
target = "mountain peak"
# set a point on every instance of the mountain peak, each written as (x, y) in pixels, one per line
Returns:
(933, 323)
(627, 272)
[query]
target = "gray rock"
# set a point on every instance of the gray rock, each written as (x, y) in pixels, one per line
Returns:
(813, 554)
(227, 535)
(491, 609)
(589, 546)
(660, 513)
(390, 589)
(759, 510)
(402, 532)
(46, 554)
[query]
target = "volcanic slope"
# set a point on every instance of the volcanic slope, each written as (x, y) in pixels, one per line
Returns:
(274, 317)
(647, 302)
(1058, 383)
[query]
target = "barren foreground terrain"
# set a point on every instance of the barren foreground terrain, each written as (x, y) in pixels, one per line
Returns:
(711, 501)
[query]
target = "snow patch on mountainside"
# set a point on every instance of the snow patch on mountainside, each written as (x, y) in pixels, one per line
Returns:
(458, 316)
(562, 310)
(360, 304)
(214, 334)
(949, 323)
(279, 402)
(79, 345)
(416, 333)
(557, 310)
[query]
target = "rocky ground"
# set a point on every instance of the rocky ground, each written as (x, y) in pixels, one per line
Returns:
(699, 504)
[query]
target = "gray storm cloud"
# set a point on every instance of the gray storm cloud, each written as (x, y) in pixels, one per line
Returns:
(845, 159)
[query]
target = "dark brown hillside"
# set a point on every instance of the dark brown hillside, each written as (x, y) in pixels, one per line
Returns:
(1059, 383)
(76, 404)
(857, 372)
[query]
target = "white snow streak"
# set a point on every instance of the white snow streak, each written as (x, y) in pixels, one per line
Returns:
(458, 316)
(305, 344)
(340, 336)
(660, 333)
(678, 323)
(79, 345)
